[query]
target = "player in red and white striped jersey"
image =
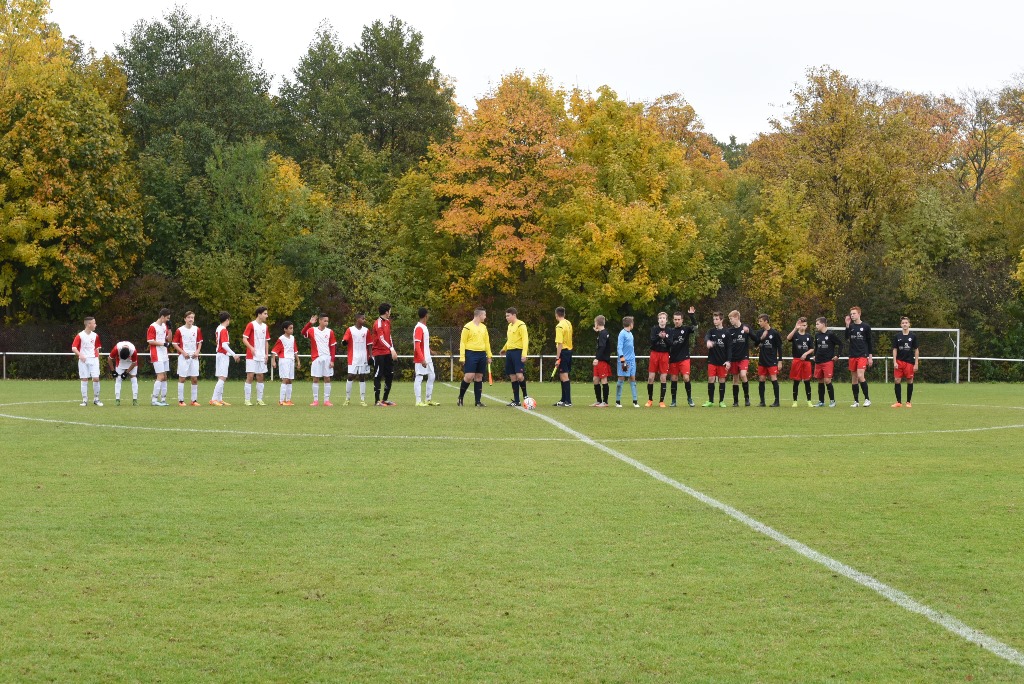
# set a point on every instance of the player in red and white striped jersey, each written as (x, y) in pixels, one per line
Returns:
(323, 344)
(224, 353)
(158, 337)
(357, 340)
(257, 348)
(188, 340)
(285, 357)
(424, 364)
(86, 347)
(124, 363)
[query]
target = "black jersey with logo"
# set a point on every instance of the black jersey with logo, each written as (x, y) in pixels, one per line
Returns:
(801, 343)
(858, 335)
(905, 346)
(827, 346)
(769, 348)
(718, 354)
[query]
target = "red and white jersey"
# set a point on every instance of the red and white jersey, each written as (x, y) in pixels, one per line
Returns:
(357, 344)
(115, 353)
(88, 343)
(421, 344)
(256, 334)
(222, 338)
(322, 343)
(188, 339)
(285, 348)
(158, 332)
(382, 337)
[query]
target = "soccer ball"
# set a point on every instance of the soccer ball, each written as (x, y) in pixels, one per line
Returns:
(529, 403)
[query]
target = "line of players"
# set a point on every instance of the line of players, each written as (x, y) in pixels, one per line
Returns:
(371, 350)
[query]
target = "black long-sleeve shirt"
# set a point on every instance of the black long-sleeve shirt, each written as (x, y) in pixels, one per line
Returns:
(801, 344)
(659, 343)
(604, 351)
(769, 348)
(827, 346)
(738, 343)
(679, 341)
(858, 335)
(718, 354)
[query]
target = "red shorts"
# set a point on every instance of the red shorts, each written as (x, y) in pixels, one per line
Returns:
(679, 367)
(736, 366)
(658, 362)
(824, 370)
(716, 371)
(765, 371)
(800, 369)
(602, 370)
(903, 370)
(858, 363)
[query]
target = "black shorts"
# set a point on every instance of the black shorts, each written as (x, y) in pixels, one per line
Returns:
(384, 365)
(476, 362)
(513, 361)
(565, 361)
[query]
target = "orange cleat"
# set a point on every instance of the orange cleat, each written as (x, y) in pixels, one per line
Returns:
(649, 403)
(214, 402)
(897, 405)
(661, 404)
(315, 403)
(907, 404)
(327, 403)
(194, 403)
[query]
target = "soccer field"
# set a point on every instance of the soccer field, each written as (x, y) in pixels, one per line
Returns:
(370, 544)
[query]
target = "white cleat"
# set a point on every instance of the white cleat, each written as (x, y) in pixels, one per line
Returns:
(855, 405)
(867, 402)
(97, 403)
(84, 403)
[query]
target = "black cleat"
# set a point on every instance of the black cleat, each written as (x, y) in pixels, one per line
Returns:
(774, 404)
(746, 402)
(459, 402)
(735, 404)
(761, 405)
(479, 403)
(514, 403)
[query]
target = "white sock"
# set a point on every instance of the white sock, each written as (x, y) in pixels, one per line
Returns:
(327, 391)
(288, 394)
(348, 390)
(117, 387)
(96, 390)
(181, 392)
(362, 390)
(259, 391)
(195, 392)
(430, 386)
(135, 387)
(218, 391)
(156, 390)
(416, 386)
(85, 390)
(248, 391)
(316, 391)
(163, 391)
(283, 393)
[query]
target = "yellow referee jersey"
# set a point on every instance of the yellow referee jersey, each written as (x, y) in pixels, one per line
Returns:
(474, 338)
(518, 338)
(563, 334)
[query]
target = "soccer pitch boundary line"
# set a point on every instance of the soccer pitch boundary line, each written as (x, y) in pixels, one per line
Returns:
(892, 594)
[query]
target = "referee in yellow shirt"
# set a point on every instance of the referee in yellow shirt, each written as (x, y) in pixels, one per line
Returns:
(563, 347)
(475, 355)
(516, 344)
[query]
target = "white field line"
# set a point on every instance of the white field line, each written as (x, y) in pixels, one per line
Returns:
(901, 599)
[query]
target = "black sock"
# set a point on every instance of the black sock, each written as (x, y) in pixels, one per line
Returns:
(775, 389)
(746, 390)
(864, 387)
(462, 389)
(910, 391)
(387, 388)
(899, 393)
(796, 389)
(566, 392)
(522, 385)
(663, 388)
(478, 390)
(760, 390)
(821, 393)
(856, 392)
(735, 394)
(721, 392)
(650, 391)
(711, 392)
(689, 391)
(831, 392)
(376, 389)
(604, 392)
(515, 390)
(807, 386)
(675, 390)
(597, 392)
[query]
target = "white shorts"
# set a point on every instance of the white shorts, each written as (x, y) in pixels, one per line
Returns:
(90, 368)
(321, 368)
(188, 368)
(359, 369)
(122, 366)
(425, 368)
(223, 362)
(161, 366)
(256, 366)
(286, 369)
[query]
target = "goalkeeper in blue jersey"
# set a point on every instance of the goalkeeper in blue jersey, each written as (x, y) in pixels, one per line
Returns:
(627, 362)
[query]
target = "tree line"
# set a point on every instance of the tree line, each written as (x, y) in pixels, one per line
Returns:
(169, 174)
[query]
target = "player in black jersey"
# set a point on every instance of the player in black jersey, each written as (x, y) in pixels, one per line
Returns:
(658, 361)
(800, 369)
(738, 344)
(679, 353)
(858, 336)
(769, 358)
(602, 363)
(906, 357)
(718, 356)
(827, 346)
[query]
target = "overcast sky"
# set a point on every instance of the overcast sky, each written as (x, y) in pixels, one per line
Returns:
(734, 61)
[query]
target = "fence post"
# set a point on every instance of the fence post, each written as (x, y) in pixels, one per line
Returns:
(886, 369)
(5, 365)
(540, 378)
(958, 356)
(451, 367)
(968, 369)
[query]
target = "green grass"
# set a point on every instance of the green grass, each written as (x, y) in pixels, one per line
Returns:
(374, 553)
